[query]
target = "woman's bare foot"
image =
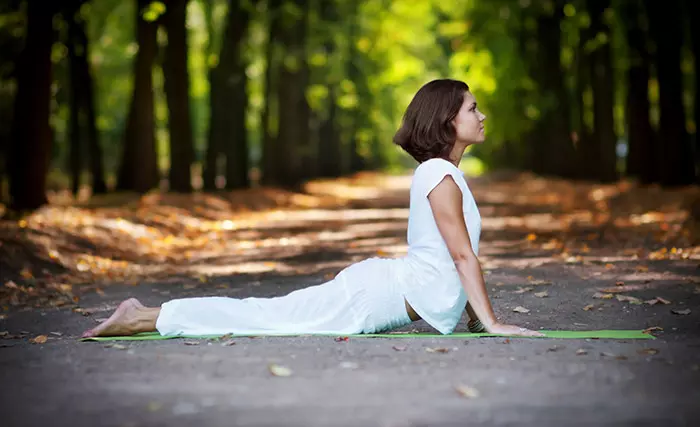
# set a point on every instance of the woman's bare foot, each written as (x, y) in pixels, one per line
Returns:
(124, 321)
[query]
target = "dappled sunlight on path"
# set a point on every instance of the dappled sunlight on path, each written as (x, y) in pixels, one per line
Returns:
(53, 254)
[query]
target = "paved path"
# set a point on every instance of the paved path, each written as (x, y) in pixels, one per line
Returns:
(377, 382)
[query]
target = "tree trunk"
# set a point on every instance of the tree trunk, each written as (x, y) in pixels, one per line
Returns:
(269, 165)
(677, 166)
(692, 12)
(30, 145)
(139, 167)
(293, 107)
(558, 155)
(642, 152)
(177, 91)
(329, 154)
(227, 131)
(588, 151)
(94, 148)
(603, 91)
(76, 97)
(357, 162)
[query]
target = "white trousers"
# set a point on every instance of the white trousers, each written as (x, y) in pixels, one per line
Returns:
(365, 297)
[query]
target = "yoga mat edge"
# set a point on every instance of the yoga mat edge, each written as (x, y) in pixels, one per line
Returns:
(598, 334)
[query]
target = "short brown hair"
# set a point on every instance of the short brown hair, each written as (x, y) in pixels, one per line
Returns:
(427, 130)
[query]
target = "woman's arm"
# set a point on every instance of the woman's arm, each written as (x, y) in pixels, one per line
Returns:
(446, 202)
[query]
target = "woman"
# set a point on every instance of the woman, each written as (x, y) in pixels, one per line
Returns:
(431, 282)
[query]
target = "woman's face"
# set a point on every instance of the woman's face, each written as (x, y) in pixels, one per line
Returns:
(469, 122)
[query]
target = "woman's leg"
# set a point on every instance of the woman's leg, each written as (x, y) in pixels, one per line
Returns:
(131, 317)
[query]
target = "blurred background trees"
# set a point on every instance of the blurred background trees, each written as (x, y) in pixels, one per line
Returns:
(205, 95)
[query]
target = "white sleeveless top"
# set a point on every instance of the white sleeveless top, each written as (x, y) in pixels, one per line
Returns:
(433, 287)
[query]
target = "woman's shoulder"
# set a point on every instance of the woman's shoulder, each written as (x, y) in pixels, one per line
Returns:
(436, 163)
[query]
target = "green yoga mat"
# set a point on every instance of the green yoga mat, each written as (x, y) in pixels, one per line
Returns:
(604, 334)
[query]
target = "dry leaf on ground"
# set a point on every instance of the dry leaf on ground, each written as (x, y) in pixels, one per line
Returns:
(599, 295)
(657, 300)
(542, 294)
(648, 351)
(279, 371)
(399, 348)
(629, 299)
(39, 339)
(466, 391)
(436, 349)
(588, 307)
(581, 352)
(522, 290)
(681, 312)
(651, 329)
(520, 309)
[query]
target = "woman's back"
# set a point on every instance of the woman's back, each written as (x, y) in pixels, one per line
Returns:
(432, 285)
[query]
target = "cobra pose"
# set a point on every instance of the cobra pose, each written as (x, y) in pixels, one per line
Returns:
(437, 280)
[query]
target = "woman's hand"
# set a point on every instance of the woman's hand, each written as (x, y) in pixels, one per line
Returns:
(500, 328)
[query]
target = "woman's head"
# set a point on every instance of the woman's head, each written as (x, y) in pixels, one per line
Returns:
(442, 114)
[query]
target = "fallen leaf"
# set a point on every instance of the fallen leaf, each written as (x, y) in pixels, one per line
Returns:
(555, 348)
(648, 351)
(642, 268)
(581, 352)
(651, 329)
(657, 300)
(436, 349)
(631, 300)
(599, 295)
(681, 312)
(116, 346)
(229, 343)
(542, 294)
(522, 290)
(279, 371)
(520, 309)
(588, 307)
(349, 365)
(619, 283)
(466, 391)
(606, 354)
(58, 334)
(39, 339)
(191, 342)
(540, 282)
(621, 357)
(399, 348)
(339, 339)
(609, 266)
(154, 406)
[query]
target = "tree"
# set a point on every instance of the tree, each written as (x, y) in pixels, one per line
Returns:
(293, 135)
(642, 153)
(602, 85)
(329, 147)
(229, 100)
(139, 168)
(82, 125)
(177, 91)
(677, 166)
(30, 144)
(557, 154)
(695, 38)
(268, 119)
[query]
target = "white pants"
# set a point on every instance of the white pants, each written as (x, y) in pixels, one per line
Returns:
(365, 297)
